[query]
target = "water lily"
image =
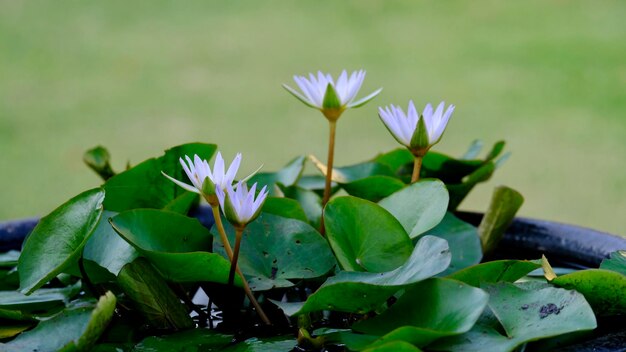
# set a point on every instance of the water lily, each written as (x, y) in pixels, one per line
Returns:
(417, 133)
(330, 97)
(240, 207)
(203, 179)
(239, 204)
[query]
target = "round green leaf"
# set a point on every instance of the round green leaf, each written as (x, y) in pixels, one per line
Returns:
(617, 262)
(427, 311)
(58, 239)
(143, 186)
(393, 346)
(419, 207)
(107, 249)
(162, 231)
(495, 271)
(364, 236)
(604, 289)
(72, 329)
(185, 341)
(39, 300)
(176, 245)
(463, 240)
(362, 292)
(373, 188)
(276, 249)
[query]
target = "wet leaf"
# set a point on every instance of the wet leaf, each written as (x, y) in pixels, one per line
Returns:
(58, 239)
(275, 250)
(603, 289)
(419, 207)
(362, 292)
(71, 330)
(365, 236)
(427, 311)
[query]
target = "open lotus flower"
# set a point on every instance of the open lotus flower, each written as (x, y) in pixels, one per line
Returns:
(239, 204)
(331, 98)
(418, 133)
(204, 181)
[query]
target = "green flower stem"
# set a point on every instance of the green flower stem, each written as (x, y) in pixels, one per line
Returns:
(417, 166)
(329, 168)
(235, 258)
(229, 252)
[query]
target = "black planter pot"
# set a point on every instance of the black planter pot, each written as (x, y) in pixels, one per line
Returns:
(565, 245)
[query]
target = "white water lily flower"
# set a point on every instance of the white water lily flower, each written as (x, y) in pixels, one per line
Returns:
(239, 204)
(418, 133)
(203, 179)
(330, 97)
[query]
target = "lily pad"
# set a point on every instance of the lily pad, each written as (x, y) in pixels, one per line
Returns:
(419, 207)
(310, 202)
(463, 240)
(107, 249)
(287, 176)
(58, 239)
(427, 311)
(39, 300)
(175, 244)
(365, 236)
(604, 289)
(72, 329)
(143, 186)
(495, 271)
(616, 262)
(275, 250)
(525, 315)
(362, 292)
(285, 207)
(194, 340)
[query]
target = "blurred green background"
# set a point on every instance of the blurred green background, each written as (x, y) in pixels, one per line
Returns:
(549, 77)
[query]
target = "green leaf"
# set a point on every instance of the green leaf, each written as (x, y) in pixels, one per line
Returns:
(458, 192)
(365, 236)
(72, 330)
(12, 329)
(427, 311)
(474, 150)
(525, 315)
(505, 202)
(285, 207)
(463, 241)
(393, 346)
(287, 176)
(16, 315)
(362, 292)
(162, 231)
(395, 159)
(275, 250)
(495, 271)
(373, 188)
(176, 245)
(143, 186)
(152, 297)
(604, 290)
(617, 262)
(58, 239)
(310, 202)
(183, 203)
(419, 207)
(273, 344)
(9, 259)
(185, 341)
(107, 249)
(39, 300)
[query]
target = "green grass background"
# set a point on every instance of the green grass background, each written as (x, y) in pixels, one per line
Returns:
(549, 77)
